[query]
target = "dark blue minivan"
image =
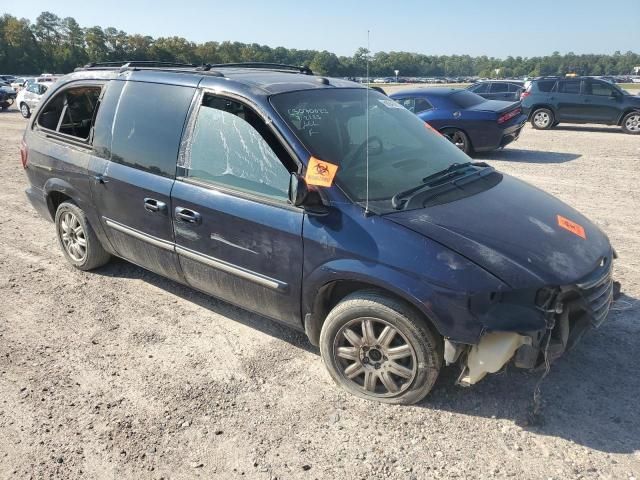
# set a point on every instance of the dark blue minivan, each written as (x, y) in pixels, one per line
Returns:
(324, 205)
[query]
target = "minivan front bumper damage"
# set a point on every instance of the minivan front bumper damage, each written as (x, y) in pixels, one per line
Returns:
(565, 314)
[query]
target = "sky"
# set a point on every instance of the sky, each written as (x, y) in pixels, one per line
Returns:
(475, 27)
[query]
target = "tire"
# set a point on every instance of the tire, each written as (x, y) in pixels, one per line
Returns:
(364, 364)
(77, 239)
(459, 139)
(631, 123)
(542, 119)
(25, 110)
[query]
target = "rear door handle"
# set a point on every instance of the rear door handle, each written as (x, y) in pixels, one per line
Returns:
(153, 205)
(187, 215)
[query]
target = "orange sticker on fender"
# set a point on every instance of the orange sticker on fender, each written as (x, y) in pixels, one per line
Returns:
(320, 173)
(573, 227)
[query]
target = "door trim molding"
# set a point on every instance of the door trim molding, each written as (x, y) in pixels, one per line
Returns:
(145, 237)
(218, 264)
(213, 262)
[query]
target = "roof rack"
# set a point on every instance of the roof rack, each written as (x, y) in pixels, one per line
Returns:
(137, 63)
(264, 65)
(207, 67)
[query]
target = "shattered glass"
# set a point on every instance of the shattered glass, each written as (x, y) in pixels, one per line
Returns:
(226, 149)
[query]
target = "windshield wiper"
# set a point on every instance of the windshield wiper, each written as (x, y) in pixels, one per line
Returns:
(399, 200)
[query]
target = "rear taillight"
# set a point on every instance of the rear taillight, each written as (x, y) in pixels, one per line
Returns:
(509, 115)
(24, 154)
(524, 95)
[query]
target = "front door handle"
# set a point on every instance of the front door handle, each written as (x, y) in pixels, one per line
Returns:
(187, 215)
(153, 205)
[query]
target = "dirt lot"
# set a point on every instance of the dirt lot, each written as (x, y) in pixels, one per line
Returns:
(123, 374)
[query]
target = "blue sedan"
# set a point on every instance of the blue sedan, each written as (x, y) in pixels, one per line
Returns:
(471, 122)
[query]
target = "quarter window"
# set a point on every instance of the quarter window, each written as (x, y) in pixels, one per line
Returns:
(71, 112)
(232, 147)
(546, 85)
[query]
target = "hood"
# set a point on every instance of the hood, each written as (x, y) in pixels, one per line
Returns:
(497, 106)
(513, 230)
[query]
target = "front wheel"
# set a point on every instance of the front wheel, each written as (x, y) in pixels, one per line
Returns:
(380, 349)
(631, 123)
(25, 110)
(459, 139)
(542, 119)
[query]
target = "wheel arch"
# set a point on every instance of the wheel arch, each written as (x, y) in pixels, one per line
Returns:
(57, 191)
(463, 130)
(627, 112)
(321, 296)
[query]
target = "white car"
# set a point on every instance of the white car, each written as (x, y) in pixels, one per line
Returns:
(28, 98)
(20, 82)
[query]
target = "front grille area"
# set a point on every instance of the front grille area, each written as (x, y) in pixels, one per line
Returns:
(597, 292)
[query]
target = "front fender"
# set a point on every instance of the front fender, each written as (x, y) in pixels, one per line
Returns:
(446, 309)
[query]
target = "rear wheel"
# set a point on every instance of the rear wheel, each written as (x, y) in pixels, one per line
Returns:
(631, 123)
(459, 139)
(542, 119)
(380, 349)
(77, 239)
(25, 110)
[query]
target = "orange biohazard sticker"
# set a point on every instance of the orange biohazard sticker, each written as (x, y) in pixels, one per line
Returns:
(320, 173)
(573, 227)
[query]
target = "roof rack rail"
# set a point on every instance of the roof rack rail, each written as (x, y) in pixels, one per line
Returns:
(138, 63)
(265, 65)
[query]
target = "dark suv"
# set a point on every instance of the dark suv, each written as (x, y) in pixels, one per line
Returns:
(549, 101)
(324, 205)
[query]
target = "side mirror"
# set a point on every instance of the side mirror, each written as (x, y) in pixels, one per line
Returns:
(301, 196)
(298, 190)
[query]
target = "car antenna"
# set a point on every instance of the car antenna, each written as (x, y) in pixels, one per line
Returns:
(366, 200)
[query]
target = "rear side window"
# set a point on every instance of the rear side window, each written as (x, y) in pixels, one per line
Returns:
(415, 105)
(514, 87)
(569, 86)
(499, 88)
(546, 85)
(480, 88)
(71, 112)
(233, 147)
(148, 126)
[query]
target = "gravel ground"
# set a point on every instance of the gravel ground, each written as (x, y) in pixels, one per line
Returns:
(123, 374)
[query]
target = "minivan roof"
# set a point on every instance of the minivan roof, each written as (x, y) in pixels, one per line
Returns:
(265, 81)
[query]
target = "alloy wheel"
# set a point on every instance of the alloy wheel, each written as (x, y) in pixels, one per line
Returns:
(542, 119)
(458, 139)
(375, 356)
(24, 109)
(73, 237)
(632, 123)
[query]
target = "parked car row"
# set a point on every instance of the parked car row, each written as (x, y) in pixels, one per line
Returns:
(324, 205)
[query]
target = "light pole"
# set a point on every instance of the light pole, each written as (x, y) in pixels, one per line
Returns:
(397, 72)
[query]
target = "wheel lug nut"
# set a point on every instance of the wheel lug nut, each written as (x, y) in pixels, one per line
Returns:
(365, 360)
(377, 365)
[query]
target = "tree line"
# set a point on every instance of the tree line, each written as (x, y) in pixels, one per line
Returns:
(58, 45)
